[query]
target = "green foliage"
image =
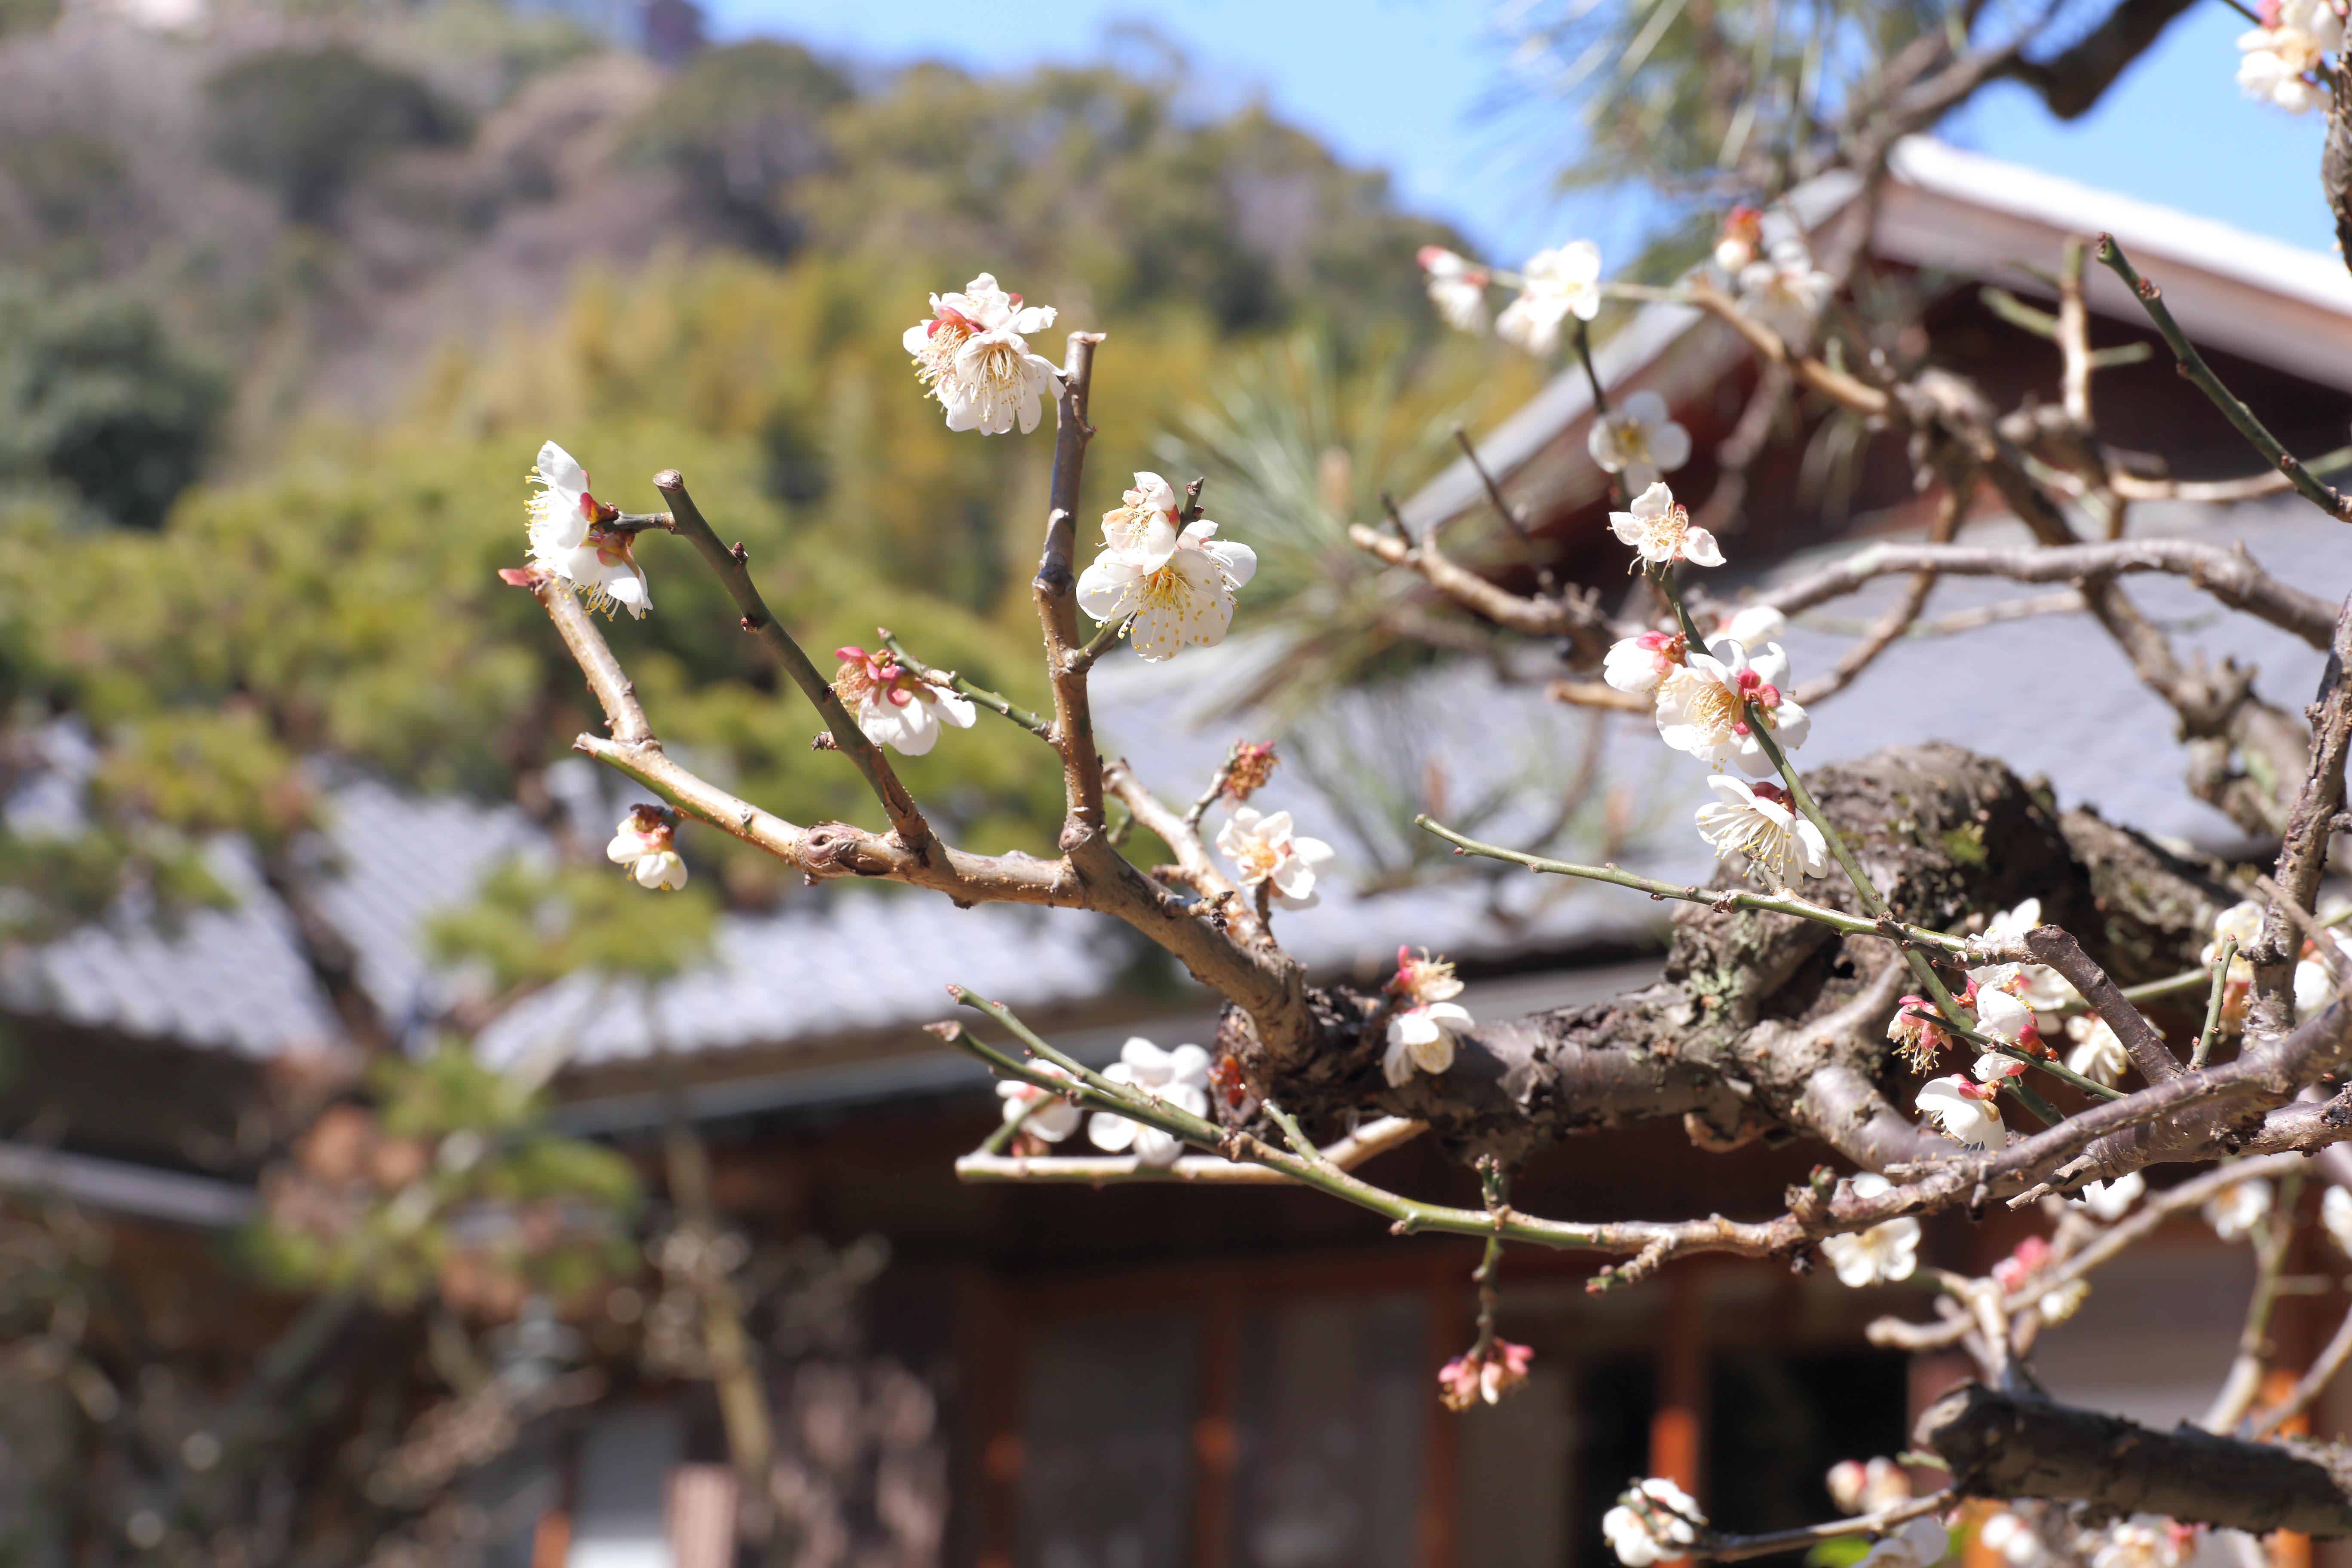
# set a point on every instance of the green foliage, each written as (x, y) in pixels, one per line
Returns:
(302, 122)
(1295, 448)
(742, 125)
(532, 925)
(95, 395)
(452, 1184)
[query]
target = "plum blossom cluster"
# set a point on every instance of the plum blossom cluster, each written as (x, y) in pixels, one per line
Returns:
(1485, 1375)
(1554, 285)
(1654, 1522)
(644, 843)
(2236, 1211)
(1180, 1076)
(974, 357)
(893, 705)
(1784, 291)
(2009, 1003)
(1857, 1487)
(1050, 1117)
(574, 541)
(1425, 1018)
(2281, 62)
(1171, 582)
(1883, 1254)
(2015, 1274)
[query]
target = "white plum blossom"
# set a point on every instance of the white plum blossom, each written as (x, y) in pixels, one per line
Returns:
(2336, 1215)
(2235, 1211)
(895, 706)
(1639, 439)
(1880, 1255)
(2241, 923)
(1458, 287)
(645, 843)
(2000, 1012)
(2012, 1539)
(1054, 1118)
(1702, 707)
(973, 356)
(1920, 1544)
(2278, 60)
(1749, 626)
(1653, 1522)
(2097, 1054)
(1918, 1032)
(1421, 1031)
(2110, 1201)
(1758, 821)
(1180, 1076)
(2056, 1305)
(1177, 583)
(1636, 664)
(1660, 531)
(2142, 1541)
(571, 537)
(1554, 285)
(1785, 291)
(2315, 988)
(1735, 244)
(1859, 1487)
(2042, 987)
(1263, 849)
(1963, 1112)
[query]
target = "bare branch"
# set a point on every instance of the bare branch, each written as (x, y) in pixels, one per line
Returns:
(2229, 575)
(2327, 498)
(1056, 590)
(734, 573)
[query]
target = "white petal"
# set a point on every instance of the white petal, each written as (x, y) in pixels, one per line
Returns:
(561, 470)
(1107, 1129)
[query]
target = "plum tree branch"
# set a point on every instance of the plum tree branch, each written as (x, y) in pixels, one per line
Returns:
(2327, 498)
(733, 572)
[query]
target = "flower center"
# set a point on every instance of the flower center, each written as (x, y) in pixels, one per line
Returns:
(1664, 532)
(1715, 709)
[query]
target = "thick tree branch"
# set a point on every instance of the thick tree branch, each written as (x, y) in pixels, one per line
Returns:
(2000, 1445)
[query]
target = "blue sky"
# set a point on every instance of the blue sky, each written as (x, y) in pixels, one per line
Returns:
(1411, 86)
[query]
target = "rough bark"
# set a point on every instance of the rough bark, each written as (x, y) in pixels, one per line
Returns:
(1765, 1023)
(2004, 1447)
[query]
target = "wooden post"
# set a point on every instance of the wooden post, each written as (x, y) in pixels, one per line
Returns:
(1214, 1427)
(2288, 1548)
(1449, 1336)
(1675, 1426)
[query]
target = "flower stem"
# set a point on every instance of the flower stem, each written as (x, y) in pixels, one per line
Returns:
(979, 694)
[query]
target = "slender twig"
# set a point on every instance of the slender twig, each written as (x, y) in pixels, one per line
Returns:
(2244, 1380)
(1510, 514)
(2213, 1004)
(1106, 638)
(2192, 365)
(979, 694)
(2312, 1385)
(732, 568)
(1738, 1548)
(1373, 1137)
(1721, 899)
(1592, 371)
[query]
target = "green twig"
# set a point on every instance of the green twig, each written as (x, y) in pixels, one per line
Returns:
(2192, 365)
(979, 694)
(1721, 899)
(2213, 1004)
(1105, 637)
